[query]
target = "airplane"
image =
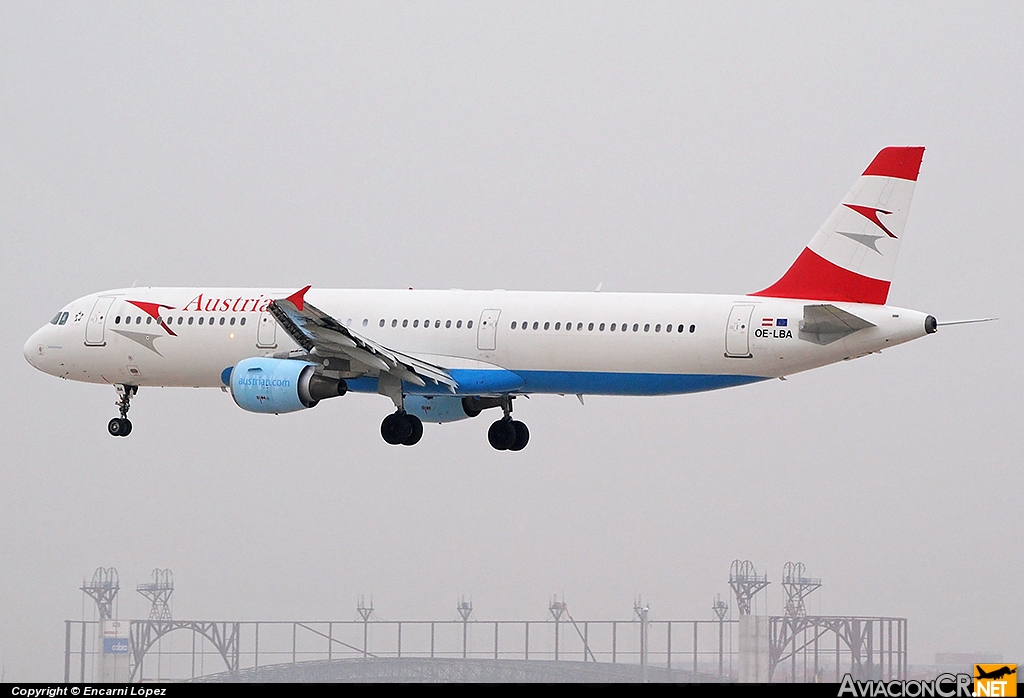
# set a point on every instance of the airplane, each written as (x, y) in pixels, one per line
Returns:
(448, 355)
(996, 674)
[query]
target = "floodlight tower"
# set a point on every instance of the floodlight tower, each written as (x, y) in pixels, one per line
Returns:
(103, 590)
(642, 610)
(721, 609)
(745, 582)
(158, 592)
(557, 608)
(798, 586)
(365, 612)
(465, 609)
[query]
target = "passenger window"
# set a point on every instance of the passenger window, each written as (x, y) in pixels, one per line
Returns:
(211, 320)
(590, 327)
(232, 321)
(200, 321)
(437, 324)
(693, 328)
(222, 321)
(415, 323)
(382, 322)
(394, 323)
(240, 322)
(536, 325)
(365, 322)
(190, 319)
(149, 319)
(469, 325)
(613, 327)
(447, 324)
(647, 327)
(635, 327)
(513, 324)
(601, 327)
(558, 325)
(682, 328)
(405, 323)
(181, 318)
(117, 320)
(579, 326)
(458, 325)
(657, 328)
(668, 328)
(547, 325)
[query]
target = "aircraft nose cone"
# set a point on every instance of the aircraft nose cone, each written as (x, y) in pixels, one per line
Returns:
(33, 350)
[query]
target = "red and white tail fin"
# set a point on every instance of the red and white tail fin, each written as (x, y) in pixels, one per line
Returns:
(853, 255)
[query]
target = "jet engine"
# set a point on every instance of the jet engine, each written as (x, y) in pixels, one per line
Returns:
(274, 386)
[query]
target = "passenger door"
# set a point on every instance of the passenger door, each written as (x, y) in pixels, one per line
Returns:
(737, 332)
(97, 320)
(487, 331)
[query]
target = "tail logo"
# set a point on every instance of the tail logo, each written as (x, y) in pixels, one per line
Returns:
(870, 241)
(872, 215)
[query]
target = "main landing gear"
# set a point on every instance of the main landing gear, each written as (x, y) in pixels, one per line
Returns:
(122, 426)
(508, 434)
(401, 429)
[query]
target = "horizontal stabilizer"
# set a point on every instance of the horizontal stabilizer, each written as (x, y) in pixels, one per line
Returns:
(824, 324)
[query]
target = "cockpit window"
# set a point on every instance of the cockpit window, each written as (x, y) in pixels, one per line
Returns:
(63, 318)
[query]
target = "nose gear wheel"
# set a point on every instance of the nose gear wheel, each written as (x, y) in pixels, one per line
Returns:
(122, 426)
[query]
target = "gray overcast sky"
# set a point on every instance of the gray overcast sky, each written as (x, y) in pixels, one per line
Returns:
(653, 147)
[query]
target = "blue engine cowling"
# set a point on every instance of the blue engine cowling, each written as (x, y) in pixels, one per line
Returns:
(436, 410)
(272, 386)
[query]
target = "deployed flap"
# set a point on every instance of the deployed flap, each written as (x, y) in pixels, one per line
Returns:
(824, 324)
(320, 334)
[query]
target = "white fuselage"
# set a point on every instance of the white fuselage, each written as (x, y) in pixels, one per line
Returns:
(585, 343)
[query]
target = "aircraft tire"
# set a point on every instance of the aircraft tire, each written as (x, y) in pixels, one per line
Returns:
(502, 434)
(119, 426)
(416, 432)
(127, 427)
(395, 428)
(522, 437)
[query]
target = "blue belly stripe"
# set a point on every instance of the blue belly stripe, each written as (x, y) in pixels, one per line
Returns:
(474, 382)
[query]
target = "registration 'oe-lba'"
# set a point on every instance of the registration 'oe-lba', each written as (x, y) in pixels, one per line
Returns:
(442, 356)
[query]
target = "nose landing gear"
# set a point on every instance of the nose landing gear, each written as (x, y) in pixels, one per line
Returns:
(122, 426)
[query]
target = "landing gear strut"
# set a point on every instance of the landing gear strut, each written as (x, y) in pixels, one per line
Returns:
(508, 434)
(122, 426)
(401, 428)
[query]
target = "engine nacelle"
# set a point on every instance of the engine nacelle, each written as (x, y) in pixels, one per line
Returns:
(274, 386)
(436, 410)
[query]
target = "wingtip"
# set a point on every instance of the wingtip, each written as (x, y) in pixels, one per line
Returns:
(298, 299)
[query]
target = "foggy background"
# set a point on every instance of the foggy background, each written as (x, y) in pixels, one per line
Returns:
(652, 147)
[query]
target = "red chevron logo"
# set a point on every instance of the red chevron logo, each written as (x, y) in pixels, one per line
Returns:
(872, 215)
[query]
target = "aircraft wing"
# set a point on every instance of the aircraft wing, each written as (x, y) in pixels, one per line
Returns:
(321, 335)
